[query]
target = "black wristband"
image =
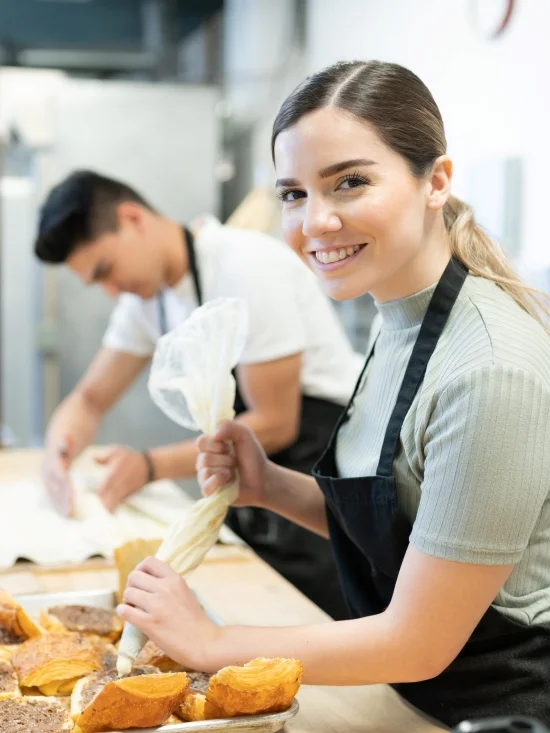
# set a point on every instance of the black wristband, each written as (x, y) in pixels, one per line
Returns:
(150, 466)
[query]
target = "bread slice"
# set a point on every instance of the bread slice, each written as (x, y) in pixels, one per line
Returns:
(54, 662)
(260, 687)
(34, 714)
(102, 622)
(143, 699)
(128, 556)
(9, 684)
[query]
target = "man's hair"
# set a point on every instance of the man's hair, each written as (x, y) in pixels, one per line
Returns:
(78, 210)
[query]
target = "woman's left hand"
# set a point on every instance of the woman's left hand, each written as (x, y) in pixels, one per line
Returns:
(159, 602)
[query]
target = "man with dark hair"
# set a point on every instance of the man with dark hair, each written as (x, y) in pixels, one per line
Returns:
(296, 372)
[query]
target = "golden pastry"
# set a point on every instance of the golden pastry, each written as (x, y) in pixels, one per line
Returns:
(83, 619)
(34, 714)
(260, 687)
(15, 625)
(9, 684)
(192, 708)
(128, 556)
(54, 662)
(106, 702)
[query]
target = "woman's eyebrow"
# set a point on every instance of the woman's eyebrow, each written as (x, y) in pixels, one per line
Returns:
(331, 170)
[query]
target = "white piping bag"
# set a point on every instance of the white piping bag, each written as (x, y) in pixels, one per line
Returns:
(191, 381)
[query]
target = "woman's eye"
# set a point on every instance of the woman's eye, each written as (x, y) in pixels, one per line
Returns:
(353, 182)
(288, 195)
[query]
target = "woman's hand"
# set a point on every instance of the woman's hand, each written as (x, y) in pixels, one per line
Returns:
(232, 448)
(159, 602)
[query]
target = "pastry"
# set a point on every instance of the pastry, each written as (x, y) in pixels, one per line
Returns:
(84, 619)
(152, 654)
(262, 686)
(15, 625)
(128, 556)
(9, 684)
(143, 699)
(54, 662)
(34, 714)
(192, 708)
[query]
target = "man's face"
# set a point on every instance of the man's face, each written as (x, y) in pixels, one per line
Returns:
(123, 261)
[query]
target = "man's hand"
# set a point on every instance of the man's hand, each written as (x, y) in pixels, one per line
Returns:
(55, 473)
(128, 473)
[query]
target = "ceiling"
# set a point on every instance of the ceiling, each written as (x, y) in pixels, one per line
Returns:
(96, 35)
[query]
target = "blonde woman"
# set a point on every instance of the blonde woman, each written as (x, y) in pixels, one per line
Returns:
(434, 489)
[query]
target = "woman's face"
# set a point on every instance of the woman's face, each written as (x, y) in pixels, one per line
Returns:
(352, 210)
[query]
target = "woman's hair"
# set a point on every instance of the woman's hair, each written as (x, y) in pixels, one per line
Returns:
(398, 105)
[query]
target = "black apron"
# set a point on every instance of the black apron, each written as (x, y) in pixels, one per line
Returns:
(302, 557)
(504, 669)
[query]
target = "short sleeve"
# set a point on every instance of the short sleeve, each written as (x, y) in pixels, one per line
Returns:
(276, 326)
(128, 329)
(487, 467)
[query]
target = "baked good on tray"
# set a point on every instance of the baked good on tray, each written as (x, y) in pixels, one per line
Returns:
(152, 654)
(34, 714)
(260, 687)
(54, 662)
(145, 698)
(103, 622)
(9, 684)
(129, 555)
(15, 625)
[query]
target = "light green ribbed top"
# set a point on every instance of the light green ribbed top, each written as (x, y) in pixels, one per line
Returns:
(473, 470)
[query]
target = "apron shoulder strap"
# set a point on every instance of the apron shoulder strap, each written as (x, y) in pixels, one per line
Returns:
(439, 310)
(189, 244)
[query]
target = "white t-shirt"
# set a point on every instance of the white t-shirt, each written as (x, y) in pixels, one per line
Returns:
(287, 310)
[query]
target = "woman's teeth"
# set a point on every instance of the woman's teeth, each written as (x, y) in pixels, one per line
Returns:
(337, 254)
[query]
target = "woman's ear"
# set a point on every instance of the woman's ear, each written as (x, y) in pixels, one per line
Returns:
(439, 182)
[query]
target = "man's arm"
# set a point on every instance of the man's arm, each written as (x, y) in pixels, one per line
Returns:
(271, 391)
(75, 422)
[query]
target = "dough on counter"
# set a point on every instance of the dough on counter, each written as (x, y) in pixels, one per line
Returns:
(102, 622)
(144, 699)
(55, 662)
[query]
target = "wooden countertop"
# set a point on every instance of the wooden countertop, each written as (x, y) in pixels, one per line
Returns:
(239, 588)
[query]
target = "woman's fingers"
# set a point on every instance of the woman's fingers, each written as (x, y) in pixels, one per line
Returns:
(214, 461)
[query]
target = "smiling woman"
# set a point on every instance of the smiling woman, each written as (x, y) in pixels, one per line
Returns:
(434, 486)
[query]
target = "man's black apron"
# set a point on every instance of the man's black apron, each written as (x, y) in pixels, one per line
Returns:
(302, 557)
(505, 667)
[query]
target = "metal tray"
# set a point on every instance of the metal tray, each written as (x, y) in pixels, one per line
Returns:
(33, 603)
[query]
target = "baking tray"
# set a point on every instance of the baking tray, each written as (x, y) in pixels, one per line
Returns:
(33, 603)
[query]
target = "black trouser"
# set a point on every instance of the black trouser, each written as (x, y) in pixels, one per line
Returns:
(302, 557)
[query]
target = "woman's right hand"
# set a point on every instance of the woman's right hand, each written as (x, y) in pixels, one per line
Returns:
(232, 448)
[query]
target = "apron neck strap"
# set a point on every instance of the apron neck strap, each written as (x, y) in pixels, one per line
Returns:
(439, 310)
(189, 240)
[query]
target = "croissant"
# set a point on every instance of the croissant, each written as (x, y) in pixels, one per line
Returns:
(36, 714)
(9, 684)
(141, 700)
(54, 662)
(262, 686)
(85, 619)
(15, 625)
